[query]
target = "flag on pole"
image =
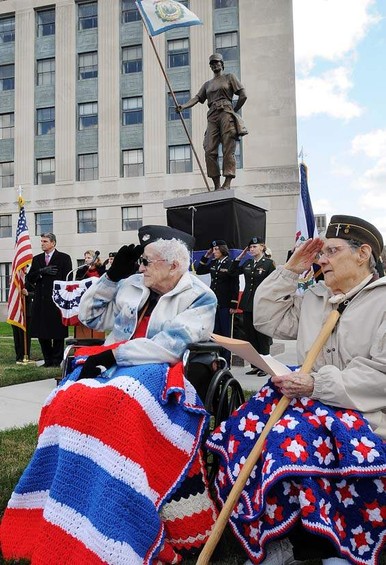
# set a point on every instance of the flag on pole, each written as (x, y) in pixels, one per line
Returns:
(305, 221)
(23, 257)
(305, 225)
(161, 15)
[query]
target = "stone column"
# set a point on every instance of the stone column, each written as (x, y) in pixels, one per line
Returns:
(65, 107)
(108, 89)
(24, 99)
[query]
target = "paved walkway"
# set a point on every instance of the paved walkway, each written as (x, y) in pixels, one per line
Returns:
(21, 404)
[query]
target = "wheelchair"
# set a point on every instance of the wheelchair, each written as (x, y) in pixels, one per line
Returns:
(205, 369)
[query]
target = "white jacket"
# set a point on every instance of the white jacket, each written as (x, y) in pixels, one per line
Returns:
(182, 316)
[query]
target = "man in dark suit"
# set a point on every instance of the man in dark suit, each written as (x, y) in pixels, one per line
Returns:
(47, 324)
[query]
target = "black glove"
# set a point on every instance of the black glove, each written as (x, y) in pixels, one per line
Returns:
(49, 270)
(125, 262)
(96, 364)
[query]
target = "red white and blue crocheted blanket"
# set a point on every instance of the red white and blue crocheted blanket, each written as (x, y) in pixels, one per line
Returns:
(111, 453)
(320, 465)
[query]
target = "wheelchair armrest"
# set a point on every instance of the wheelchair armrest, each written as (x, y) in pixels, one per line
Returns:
(84, 342)
(204, 347)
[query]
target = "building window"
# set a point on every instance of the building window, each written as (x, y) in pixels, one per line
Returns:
(88, 65)
(87, 222)
(131, 218)
(45, 171)
(7, 29)
(44, 223)
(6, 174)
(45, 22)
(132, 162)
(87, 115)
(87, 15)
(6, 226)
(227, 45)
(45, 121)
(178, 53)
(132, 111)
(7, 126)
(180, 159)
(181, 98)
(7, 77)
(225, 4)
(5, 277)
(45, 72)
(132, 59)
(130, 12)
(88, 167)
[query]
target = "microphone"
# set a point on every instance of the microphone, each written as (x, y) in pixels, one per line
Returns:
(96, 255)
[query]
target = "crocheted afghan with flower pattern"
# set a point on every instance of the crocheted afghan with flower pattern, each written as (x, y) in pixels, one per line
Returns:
(111, 453)
(321, 465)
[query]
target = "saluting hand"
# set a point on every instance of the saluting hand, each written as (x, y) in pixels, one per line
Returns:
(242, 254)
(304, 255)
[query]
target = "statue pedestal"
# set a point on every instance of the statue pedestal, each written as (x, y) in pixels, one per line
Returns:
(223, 214)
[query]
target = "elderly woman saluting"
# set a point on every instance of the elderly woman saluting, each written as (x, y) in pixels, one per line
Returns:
(120, 435)
(321, 479)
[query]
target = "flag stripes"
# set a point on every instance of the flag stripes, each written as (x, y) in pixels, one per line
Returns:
(22, 257)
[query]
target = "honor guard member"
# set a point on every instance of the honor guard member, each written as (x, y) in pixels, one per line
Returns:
(255, 270)
(225, 285)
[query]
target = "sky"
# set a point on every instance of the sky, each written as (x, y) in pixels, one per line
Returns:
(340, 59)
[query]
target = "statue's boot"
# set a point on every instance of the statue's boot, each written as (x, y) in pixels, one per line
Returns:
(227, 183)
(216, 182)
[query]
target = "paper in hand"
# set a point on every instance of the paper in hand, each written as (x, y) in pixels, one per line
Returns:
(246, 351)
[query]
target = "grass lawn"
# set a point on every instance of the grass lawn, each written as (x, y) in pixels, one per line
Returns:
(10, 373)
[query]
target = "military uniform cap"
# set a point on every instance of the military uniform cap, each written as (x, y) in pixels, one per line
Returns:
(351, 227)
(217, 242)
(216, 57)
(255, 241)
(150, 234)
(112, 253)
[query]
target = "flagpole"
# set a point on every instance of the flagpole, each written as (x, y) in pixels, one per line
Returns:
(176, 103)
(23, 305)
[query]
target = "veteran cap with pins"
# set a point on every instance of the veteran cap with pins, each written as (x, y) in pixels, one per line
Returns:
(351, 227)
(150, 234)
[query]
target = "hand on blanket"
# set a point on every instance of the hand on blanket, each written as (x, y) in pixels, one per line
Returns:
(96, 364)
(294, 385)
(125, 262)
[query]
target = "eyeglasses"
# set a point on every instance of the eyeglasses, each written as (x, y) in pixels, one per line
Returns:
(330, 251)
(146, 262)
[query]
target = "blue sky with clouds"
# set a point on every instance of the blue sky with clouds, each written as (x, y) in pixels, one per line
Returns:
(340, 53)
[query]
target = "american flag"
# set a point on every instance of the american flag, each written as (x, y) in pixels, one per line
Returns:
(23, 257)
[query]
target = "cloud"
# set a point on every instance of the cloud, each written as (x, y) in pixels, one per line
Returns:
(326, 94)
(329, 29)
(322, 206)
(327, 33)
(372, 144)
(373, 180)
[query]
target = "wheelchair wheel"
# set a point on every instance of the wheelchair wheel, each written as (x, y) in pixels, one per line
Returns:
(223, 397)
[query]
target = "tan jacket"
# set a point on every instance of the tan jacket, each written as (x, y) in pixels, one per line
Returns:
(350, 371)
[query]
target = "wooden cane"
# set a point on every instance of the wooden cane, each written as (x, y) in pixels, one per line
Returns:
(245, 472)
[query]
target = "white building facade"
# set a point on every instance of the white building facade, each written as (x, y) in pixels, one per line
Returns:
(88, 129)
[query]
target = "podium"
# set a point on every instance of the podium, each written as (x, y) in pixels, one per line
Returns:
(224, 214)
